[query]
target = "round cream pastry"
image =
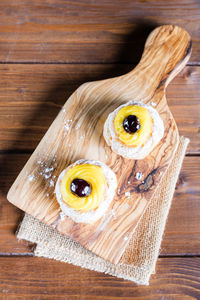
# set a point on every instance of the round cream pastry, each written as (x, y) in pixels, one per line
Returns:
(133, 130)
(85, 189)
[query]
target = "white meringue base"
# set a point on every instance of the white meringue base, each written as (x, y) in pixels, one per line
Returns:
(93, 215)
(133, 152)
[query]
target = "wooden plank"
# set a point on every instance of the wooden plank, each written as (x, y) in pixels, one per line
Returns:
(40, 278)
(82, 31)
(166, 52)
(182, 233)
(32, 95)
(10, 216)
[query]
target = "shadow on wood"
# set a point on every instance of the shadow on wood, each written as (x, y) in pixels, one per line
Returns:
(57, 93)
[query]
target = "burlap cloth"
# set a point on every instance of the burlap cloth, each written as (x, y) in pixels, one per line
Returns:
(139, 259)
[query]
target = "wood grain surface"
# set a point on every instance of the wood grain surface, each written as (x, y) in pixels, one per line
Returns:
(166, 52)
(39, 278)
(180, 227)
(35, 94)
(88, 32)
(47, 51)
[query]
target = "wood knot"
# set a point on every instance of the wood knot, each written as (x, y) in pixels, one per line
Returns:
(147, 182)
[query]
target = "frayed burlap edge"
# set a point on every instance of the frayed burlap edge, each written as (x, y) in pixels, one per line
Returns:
(139, 259)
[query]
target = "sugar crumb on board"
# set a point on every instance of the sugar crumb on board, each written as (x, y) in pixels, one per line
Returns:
(31, 177)
(153, 104)
(46, 176)
(45, 170)
(138, 176)
(51, 182)
(127, 194)
(67, 125)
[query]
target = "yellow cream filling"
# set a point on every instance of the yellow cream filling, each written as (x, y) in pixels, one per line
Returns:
(94, 176)
(140, 137)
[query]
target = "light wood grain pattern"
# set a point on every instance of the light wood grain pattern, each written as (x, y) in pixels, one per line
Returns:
(89, 32)
(31, 95)
(39, 278)
(166, 52)
(34, 94)
(182, 233)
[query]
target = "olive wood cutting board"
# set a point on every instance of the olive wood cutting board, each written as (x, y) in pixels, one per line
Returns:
(77, 133)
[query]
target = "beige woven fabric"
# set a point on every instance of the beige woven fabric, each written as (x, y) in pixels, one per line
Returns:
(139, 259)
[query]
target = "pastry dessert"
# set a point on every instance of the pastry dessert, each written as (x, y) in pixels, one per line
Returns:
(85, 190)
(133, 130)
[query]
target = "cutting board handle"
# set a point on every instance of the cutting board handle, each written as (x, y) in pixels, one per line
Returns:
(166, 52)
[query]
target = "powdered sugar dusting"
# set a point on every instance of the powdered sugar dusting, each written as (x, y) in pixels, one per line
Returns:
(46, 170)
(67, 125)
(127, 194)
(139, 176)
(31, 177)
(46, 176)
(51, 182)
(153, 104)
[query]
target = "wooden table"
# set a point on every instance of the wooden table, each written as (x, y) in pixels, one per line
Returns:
(48, 48)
